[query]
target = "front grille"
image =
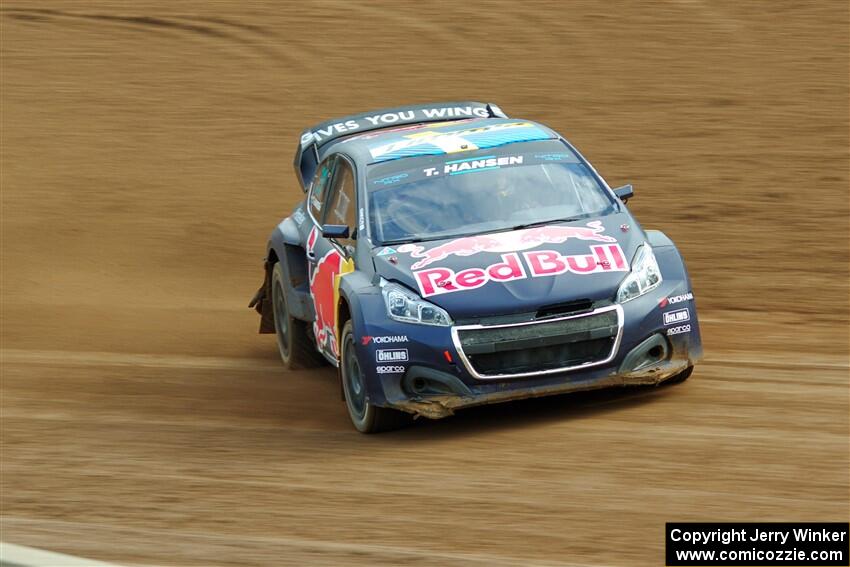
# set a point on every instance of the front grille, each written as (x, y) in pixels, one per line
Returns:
(540, 347)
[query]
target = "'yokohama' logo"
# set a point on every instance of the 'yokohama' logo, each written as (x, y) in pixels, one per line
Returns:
(366, 339)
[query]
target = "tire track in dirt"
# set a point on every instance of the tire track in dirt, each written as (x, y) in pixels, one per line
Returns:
(144, 454)
(450, 499)
(83, 358)
(218, 29)
(392, 554)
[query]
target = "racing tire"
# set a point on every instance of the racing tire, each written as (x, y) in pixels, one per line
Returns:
(682, 376)
(297, 349)
(367, 418)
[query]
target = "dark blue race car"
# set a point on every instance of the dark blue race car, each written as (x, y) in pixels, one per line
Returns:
(447, 256)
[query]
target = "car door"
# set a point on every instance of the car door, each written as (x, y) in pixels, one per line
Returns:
(332, 201)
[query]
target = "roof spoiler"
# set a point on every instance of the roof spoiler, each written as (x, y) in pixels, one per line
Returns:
(307, 152)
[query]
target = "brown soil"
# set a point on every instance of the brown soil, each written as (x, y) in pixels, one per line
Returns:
(146, 155)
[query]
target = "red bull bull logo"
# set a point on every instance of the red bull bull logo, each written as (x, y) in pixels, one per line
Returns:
(322, 290)
(540, 263)
(516, 241)
(554, 234)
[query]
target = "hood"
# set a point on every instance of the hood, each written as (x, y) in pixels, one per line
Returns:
(517, 271)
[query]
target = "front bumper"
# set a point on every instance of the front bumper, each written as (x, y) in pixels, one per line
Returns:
(443, 405)
(423, 370)
(432, 395)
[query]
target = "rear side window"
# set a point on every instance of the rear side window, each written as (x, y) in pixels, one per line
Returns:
(319, 189)
(342, 204)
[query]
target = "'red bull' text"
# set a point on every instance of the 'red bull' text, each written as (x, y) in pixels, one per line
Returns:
(538, 263)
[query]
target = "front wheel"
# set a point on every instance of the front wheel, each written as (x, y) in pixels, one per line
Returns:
(366, 417)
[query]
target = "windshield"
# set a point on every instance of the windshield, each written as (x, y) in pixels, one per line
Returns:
(491, 190)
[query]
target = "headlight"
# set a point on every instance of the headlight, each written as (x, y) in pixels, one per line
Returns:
(645, 276)
(404, 305)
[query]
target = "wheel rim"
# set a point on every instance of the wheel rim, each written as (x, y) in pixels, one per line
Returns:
(355, 386)
(281, 319)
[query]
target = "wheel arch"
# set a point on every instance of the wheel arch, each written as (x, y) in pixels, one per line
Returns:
(351, 285)
(669, 257)
(284, 247)
(360, 302)
(343, 312)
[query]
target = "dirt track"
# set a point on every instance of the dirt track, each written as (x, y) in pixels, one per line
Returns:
(146, 154)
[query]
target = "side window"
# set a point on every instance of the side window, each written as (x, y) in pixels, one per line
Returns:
(342, 207)
(319, 189)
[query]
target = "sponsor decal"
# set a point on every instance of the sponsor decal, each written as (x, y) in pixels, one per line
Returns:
(389, 369)
(322, 281)
(366, 339)
(679, 330)
(391, 179)
(332, 130)
(387, 118)
(299, 217)
(471, 165)
(391, 355)
(665, 301)
(678, 316)
(362, 221)
(541, 263)
(553, 157)
(505, 242)
(386, 251)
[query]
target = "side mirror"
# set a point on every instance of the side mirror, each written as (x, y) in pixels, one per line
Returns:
(625, 192)
(335, 231)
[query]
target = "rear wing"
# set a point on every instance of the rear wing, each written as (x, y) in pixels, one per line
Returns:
(312, 139)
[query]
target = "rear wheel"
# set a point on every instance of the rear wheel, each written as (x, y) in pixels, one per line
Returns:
(297, 349)
(366, 417)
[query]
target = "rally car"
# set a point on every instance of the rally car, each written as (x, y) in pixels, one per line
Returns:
(446, 256)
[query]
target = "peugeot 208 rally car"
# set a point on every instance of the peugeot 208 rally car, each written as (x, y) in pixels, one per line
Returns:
(446, 256)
